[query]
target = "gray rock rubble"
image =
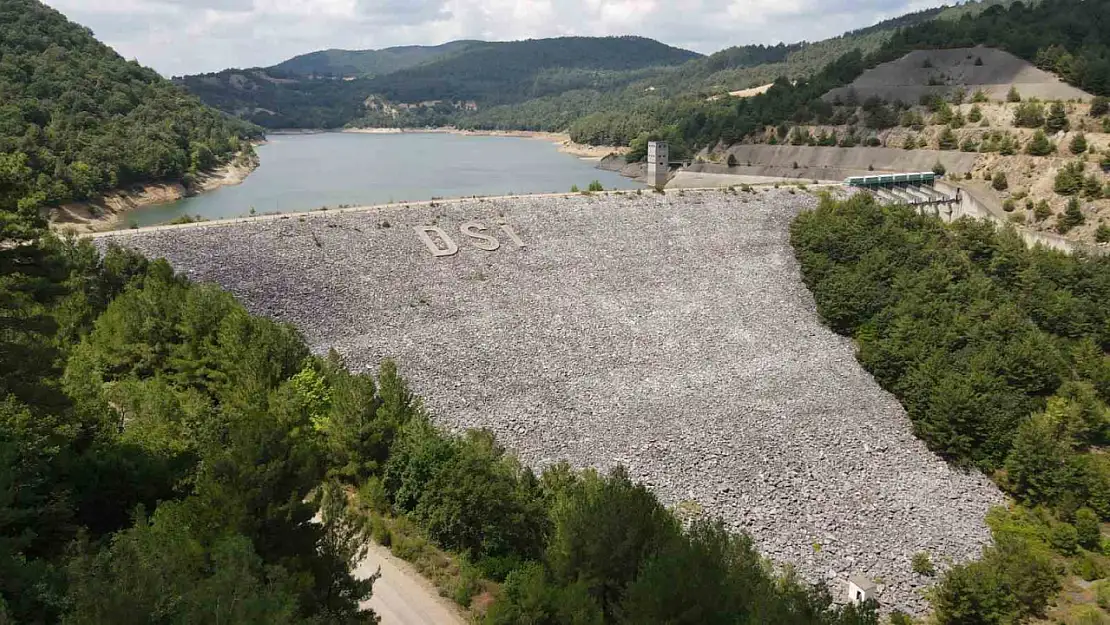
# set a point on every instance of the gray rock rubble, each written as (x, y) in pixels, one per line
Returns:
(668, 333)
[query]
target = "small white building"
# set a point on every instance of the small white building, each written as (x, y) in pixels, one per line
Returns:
(861, 589)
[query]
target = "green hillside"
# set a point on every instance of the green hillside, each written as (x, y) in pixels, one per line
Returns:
(1064, 36)
(353, 63)
(530, 85)
(517, 70)
(76, 119)
(486, 73)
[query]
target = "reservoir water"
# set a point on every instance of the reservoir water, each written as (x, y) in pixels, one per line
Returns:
(306, 172)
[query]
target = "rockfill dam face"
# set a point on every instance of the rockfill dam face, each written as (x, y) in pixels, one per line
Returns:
(669, 333)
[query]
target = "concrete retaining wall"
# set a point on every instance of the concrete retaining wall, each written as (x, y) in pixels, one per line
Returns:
(830, 163)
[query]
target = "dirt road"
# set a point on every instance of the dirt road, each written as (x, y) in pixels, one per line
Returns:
(401, 595)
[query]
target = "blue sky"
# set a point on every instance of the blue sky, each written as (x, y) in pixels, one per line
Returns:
(192, 36)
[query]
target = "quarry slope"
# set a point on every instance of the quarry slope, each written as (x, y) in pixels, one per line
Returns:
(670, 333)
(940, 72)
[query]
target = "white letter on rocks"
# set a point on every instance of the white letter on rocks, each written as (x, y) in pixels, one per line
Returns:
(424, 232)
(474, 230)
(512, 234)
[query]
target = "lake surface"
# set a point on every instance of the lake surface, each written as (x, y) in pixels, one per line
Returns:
(306, 172)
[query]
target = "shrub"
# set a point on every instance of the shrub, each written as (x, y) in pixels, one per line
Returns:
(379, 531)
(1102, 594)
(923, 565)
(1078, 144)
(898, 617)
(595, 187)
(948, 140)
(1092, 187)
(1043, 211)
(1102, 235)
(1072, 217)
(1069, 180)
(1085, 615)
(1057, 119)
(969, 145)
(372, 495)
(1039, 145)
(1009, 205)
(999, 182)
(1100, 106)
(574, 188)
(975, 115)
(1088, 567)
(939, 169)
(979, 96)
(1029, 115)
(732, 160)
(1013, 95)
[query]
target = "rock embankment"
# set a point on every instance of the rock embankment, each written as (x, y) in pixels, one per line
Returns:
(670, 333)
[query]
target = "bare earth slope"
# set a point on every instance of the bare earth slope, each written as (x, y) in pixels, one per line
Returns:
(943, 71)
(669, 333)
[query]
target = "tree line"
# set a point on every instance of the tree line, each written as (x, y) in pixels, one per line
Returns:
(999, 355)
(77, 120)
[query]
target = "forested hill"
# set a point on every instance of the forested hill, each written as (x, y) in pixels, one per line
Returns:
(511, 71)
(355, 63)
(1063, 36)
(486, 73)
(76, 119)
(530, 85)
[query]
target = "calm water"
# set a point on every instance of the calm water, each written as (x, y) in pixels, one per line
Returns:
(305, 172)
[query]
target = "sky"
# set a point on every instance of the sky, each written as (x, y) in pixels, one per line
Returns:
(178, 37)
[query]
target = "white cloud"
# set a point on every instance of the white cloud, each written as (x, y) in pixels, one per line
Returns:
(192, 36)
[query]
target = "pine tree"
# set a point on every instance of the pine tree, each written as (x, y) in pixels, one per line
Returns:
(948, 140)
(1057, 118)
(1072, 217)
(1039, 145)
(1100, 106)
(1078, 144)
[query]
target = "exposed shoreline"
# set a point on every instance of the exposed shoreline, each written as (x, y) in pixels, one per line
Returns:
(108, 212)
(561, 139)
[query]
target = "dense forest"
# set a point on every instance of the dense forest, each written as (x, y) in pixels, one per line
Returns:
(77, 120)
(159, 460)
(487, 73)
(366, 63)
(540, 90)
(998, 352)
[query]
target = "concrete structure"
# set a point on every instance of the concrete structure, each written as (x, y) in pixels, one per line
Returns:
(860, 589)
(659, 163)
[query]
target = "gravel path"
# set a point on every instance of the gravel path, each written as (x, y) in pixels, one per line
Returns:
(669, 333)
